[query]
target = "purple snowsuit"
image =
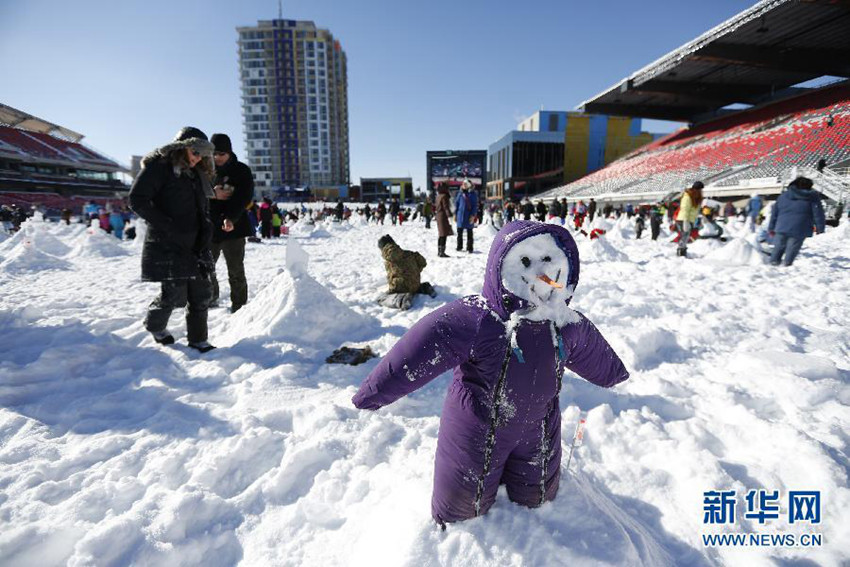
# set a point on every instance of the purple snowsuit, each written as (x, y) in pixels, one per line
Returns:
(501, 421)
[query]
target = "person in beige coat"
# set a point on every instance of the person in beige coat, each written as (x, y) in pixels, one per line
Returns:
(443, 213)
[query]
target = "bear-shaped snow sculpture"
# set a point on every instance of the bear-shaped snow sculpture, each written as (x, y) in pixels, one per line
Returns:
(501, 421)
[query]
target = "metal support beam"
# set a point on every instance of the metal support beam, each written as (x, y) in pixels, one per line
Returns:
(659, 112)
(806, 61)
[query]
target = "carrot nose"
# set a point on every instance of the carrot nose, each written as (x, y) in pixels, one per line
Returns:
(548, 280)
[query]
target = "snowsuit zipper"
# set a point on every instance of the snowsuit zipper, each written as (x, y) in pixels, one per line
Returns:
(491, 434)
(545, 449)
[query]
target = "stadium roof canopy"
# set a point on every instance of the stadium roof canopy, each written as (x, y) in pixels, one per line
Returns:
(751, 58)
(19, 119)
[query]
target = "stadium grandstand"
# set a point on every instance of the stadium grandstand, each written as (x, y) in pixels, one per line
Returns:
(44, 165)
(766, 97)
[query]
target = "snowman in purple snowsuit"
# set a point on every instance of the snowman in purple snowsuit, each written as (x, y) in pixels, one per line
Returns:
(509, 347)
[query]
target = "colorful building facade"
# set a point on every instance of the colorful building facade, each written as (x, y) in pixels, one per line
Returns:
(551, 148)
(294, 105)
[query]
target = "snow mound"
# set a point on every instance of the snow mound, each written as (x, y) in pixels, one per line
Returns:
(297, 260)
(652, 348)
(302, 228)
(26, 257)
(738, 252)
(841, 233)
(36, 236)
(297, 309)
(141, 233)
(600, 250)
(801, 365)
(488, 230)
(97, 243)
(336, 226)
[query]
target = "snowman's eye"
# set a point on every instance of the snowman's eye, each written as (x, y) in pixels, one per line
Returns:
(547, 258)
(525, 261)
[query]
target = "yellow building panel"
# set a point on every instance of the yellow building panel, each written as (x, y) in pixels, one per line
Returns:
(617, 141)
(576, 147)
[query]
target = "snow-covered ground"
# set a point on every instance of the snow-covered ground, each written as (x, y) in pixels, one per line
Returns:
(116, 451)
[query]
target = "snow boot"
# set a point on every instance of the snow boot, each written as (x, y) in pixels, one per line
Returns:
(203, 346)
(163, 338)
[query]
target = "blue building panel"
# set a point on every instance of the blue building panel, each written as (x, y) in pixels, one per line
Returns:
(598, 130)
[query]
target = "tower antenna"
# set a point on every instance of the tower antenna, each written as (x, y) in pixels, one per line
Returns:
(279, 9)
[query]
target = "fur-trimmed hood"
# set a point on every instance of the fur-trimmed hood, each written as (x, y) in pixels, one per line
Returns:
(174, 152)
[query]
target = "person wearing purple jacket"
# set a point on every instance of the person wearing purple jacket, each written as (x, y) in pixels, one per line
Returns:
(509, 347)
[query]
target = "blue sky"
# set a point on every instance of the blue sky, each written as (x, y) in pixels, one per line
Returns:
(422, 75)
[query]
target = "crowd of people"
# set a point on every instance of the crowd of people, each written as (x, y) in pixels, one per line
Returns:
(198, 201)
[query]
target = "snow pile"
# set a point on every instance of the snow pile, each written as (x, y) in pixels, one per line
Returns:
(736, 252)
(116, 451)
(141, 233)
(297, 260)
(649, 349)
(357, 220)
(304, 227)
(297, 309)
(37, 236)
(839, 234)
(599, 250)
(487, 231)
(26, 257)
(334, 227)
(95, 242)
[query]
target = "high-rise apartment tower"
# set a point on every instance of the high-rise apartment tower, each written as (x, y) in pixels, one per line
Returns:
(294, 104)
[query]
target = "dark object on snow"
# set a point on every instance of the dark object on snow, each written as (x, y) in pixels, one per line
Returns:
(163, 338)
(497, 425)
(202, 346)
(404, 267)
(349, 355)
(404, 301)
(384, 240)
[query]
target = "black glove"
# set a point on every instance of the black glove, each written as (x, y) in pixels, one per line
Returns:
(206, 264)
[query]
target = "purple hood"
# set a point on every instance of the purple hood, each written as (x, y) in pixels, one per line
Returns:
(500, 299)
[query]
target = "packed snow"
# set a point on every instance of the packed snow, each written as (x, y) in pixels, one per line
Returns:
(117, 451)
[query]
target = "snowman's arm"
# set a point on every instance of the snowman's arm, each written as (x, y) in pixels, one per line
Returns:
(591, 357)
(439, 341)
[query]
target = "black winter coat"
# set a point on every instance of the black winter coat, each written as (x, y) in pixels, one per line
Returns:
(175, 207)
(239, 175)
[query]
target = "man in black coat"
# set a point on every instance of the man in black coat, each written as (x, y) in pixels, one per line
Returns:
(394, 208)
(171, 193)
(234, 192)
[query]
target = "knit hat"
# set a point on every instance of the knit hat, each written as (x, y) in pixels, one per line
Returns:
(384, 240)
(222, 143)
